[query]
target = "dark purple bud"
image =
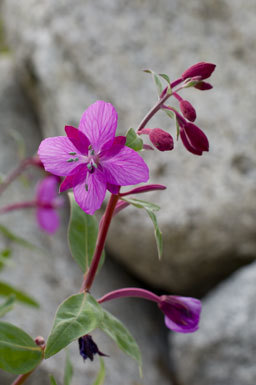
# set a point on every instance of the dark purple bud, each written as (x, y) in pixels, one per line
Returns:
(202, 69)
(161, 139)
(203, 86)
(187, 110)
(182, 314)
(193, 138)
(88, 348)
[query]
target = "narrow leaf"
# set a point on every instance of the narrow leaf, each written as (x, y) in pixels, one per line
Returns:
(76, 316)
(148, 71)
(82, 235)
(68, 374)
(158, 84)
(7, 305)
(101, 374)
(6, 290)
(133, 140)
(52, 380)
(122, 337)
(157, 232)
(4, 258)
(141, 204)
(165, 77)
(18, 352)
(15, 238)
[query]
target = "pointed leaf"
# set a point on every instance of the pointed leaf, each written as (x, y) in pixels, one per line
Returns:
(76, 316)
(157, 232)
(7, 305)
(158, 84)
(101, 374)
(165, 77)
(14, 238)
(82, 235)
(141, 204)
(4, 258)
(122, 337)
(18, 352)
(6, 290)
(133, 140)
(52, 380)
(148, 71)
(68, 374)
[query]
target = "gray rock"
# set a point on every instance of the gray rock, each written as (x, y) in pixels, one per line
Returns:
(69, 55)
(50, 275)
(222, 351)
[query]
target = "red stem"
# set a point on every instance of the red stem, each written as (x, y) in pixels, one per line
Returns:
(17, 206)
(21, 379)
(89, 277)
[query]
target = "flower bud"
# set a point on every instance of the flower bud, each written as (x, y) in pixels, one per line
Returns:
(187, 110)
(193, 138)
(88, 348)
(202, 69)
(161, 139)
(203, 86)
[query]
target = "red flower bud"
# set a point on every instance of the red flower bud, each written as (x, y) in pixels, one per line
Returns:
(161, 139)
(193, 138)
(202, 69)
(203, 86)
(187, 110)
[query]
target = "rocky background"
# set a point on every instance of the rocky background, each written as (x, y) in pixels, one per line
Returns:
(57, 58)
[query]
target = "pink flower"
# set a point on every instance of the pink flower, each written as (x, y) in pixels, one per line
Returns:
(92, 158)
(202, 70)
(46, 203)
(182, 314)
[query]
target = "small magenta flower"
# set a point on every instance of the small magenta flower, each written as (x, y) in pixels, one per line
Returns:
(92, 158)
(182, 314)
(187, 110)
(46, 202)
(88, 348)
(202, 70)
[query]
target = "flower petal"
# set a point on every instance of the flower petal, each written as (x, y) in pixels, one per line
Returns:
(125, 168)
(79, 140)
(90, 194)
(99, 123)
(46, 190)
(196, 137)
(72, 180)
(182, 314)
(187, 143)
(113, 188)
(55, 155)
(48, 219)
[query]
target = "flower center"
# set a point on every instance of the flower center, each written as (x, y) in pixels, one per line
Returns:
(92, 159)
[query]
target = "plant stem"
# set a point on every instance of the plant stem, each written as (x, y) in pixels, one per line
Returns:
(89, 277)
(22, 378)
(17, 206)
(130, 292)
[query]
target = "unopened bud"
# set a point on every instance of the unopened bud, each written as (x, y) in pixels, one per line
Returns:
(188, 110)
(202, 69)
(203, 86)
(40, 341)
(161, 139)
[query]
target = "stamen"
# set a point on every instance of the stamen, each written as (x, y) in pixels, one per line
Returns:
(86, 187)
(70, 160)
(72, 153)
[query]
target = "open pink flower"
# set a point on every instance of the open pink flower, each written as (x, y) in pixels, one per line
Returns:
(92, 158)
(46, 202)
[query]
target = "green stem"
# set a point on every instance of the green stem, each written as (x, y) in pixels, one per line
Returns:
(89, 277)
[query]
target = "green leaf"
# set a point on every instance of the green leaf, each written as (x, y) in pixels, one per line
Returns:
(68, 374)
(14, 238)
(82, 235)
(4, 258)
(148, 71)
(7, 305)
(101, 374)
(52, 380)
(133, 140)
(158, 84)
(122, 337)
(6, 290)
(18, 352)
(76, 316)
(142, 204)
(165, 77)
(150, 208)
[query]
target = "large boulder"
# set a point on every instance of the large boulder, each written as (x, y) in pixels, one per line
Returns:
(49, 274)
(68, 54)
(222, 351)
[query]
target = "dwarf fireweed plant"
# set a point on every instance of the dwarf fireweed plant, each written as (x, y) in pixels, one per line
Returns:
(90, 161)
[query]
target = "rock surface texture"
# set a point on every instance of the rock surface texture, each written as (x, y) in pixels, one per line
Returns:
(68, 54)
(49, 274)
(222, 351)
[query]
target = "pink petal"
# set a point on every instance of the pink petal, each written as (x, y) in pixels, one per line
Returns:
(48, 219)
(91, 200)
(55, 152)
(72, 180)
(125, 168)
(79, 140)
(196, 137)
(187, 143)
(47, 189)
(113, 188)
(99, 124)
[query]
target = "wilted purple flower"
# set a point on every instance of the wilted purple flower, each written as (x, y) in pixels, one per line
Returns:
(193, 138)
(92, 158)
(46, 202)
(202, 69)
(88, 348)
(187, 110)
(182, 314)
